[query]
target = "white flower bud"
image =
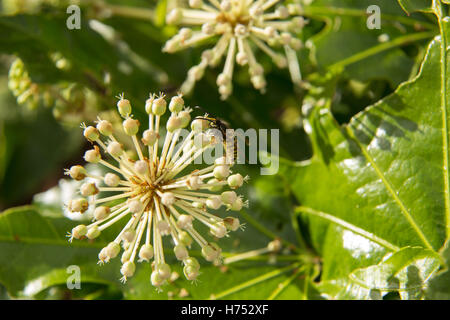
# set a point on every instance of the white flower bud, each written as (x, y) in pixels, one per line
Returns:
(102, 256)
(185, 118)
(256, 11)
(112, 180)
(207, 55)
(163, 270)
(141, 166)
(211, 251)
(258, 82)
(208, 28)
(235, 180)
(112, 249)
(228, 197)
(91, 133)
(128, 235)
(190, 272)
(156, 279)
(163, 227)
(175, 16)
(181, 252)
(225, 5)
(185, 221)
(93, 232)
(282, 12)
(285, 37)
(135, 206)
(198, 205)
(173, 123)
(115, 149)
(218, 230)
(159, 106)
(191, 261)
(256, 70)
(296, 44)
(196, 4)
(126, 255)
(101, 213)
(237, 205)
(128, 269)
(242, 58)
(231, 223)
(88, 189)
(105, 127)
(185, 238)
(149, 137)
(214, 202)
(124, 107)
(216, 188)
(146, 252)
(92, 156)
(185, 34)
(176, 103)
(274, 246)
(77, 172)
(131, 126)
(222, 79)
(240, 30)
(78, 205)
(168, 199)
(79, 231)
(221, 172)
(194, 182)
(198, 125)
(221, 161)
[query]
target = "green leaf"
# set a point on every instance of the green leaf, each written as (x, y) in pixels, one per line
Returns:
(416, 5)
(405, 272)
(380, 183)
(36, 253)
(439, 288)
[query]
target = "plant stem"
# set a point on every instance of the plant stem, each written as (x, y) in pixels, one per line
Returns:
(254, 281)
(382, 47)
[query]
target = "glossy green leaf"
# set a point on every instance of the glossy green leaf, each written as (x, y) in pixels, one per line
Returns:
(416, 5)
(405, 272)
(380, 183)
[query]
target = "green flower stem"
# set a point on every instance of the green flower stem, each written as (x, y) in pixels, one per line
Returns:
(266, 231)
(254, 281)
(283, 285)
(327, 11)
(382, 47)
(130, 12)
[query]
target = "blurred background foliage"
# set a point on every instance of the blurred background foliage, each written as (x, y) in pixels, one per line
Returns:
(53, 78)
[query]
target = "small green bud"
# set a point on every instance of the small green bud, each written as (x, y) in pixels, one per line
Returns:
(159, 106)
(91, 133)
(105, 127)
(124, 107)
(131, 126)
(79, 231)
(176, 104)
(93, 232)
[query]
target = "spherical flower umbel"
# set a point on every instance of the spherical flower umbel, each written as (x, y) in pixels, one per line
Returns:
(239, 27)
(153, 193)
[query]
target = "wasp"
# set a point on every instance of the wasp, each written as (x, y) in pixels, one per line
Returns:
(222, 127)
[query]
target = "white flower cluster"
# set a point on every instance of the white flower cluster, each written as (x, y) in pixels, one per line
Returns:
(241, 26)
(152, 192)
